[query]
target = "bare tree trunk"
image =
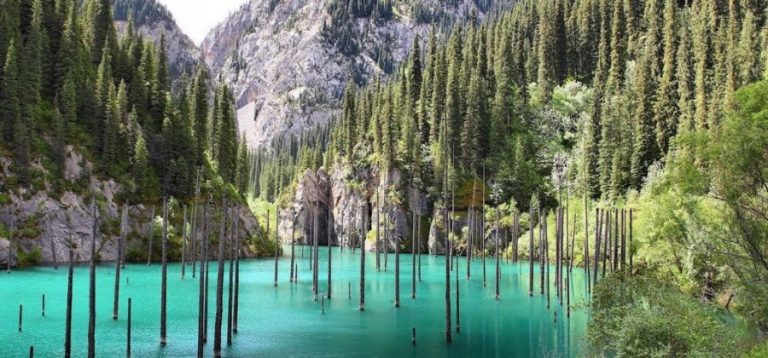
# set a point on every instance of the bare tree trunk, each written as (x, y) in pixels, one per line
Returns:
(231, 278)
(118, 261)
(498, 269)
(293, 250)
(277, 240)
(631, 253)
(68, 323)
(184, 242)
(397, 271)
(92, 287)
(237, 272)
(458, 306)
(598, 233)
(193, 237)
(164, 280)
(418, 243)
(586, 245)
(387, 238)
(607, 241)
(378, 229)
(128, 338)
(362, 257)
(220, 286)
(10, 242)
(413, 255)
(315, 255)
(546, 258)
(615, 255)
(542, 250)
(201, 288)
(330, 232)
(530, 252)
(151, 236)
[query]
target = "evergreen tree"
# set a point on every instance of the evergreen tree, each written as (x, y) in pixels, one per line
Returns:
(9, 94)
(665, 100)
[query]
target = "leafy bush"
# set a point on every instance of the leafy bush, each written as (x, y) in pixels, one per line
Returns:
(30, 258)
(645, 316)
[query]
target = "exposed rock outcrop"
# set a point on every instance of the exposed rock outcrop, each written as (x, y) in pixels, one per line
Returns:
(354, 197)
(288, 76)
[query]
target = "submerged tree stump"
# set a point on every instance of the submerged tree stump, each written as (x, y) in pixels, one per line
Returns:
(220, 287)
(164, 277)
(92, 286)
(128, 338)
(68, 319)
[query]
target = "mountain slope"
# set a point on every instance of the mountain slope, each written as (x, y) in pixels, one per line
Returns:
(152, 20)
(287, 62)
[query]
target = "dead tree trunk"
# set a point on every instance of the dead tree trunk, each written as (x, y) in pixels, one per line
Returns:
(530, 252)
(184, 243)
(315, 277)
(151, 235)
(220, 286)
(128, 338)
(598, 232)
(92, 287)
(230, 287)
(378, 229)
(237, 273)
(293, 250)
(118, 261)
(542, 251)
(498, 269)
(330, 232)
(277, 241)
(164, 279)
(68, 322)
(418, 243)
(458, 306)
(362, 257)
(397, 271)
(201, 287)
(631, 253)
(586, 245)
(413, 256)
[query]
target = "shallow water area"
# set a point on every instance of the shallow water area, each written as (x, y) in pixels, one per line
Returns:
(287, 321)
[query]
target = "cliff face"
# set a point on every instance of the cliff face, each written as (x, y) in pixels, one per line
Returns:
(288, 66)
(152, 20)
(361, 201)
(52, 223)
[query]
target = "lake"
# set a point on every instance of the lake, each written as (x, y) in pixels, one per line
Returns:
(287, 321)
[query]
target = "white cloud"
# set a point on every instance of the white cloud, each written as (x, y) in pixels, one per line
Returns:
(197, 17)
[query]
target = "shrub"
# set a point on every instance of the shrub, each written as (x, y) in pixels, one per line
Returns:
(30, 258)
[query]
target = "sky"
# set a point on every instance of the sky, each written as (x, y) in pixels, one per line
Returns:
(197, 17)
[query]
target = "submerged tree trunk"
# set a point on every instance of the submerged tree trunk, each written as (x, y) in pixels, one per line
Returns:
(184, 243)
(151, 235)
(397, 272)
(378, 229)
(164, 279)
(530, 252)
(498, 269)
(277, 241)
(458, 306)
(586, 246)
(231, 272)
(362, 257)
(128, 338)
(68, 322)
(92, 287)
(330, 232)
(413, 256)
(418, 244)
(293, 250)
(237, 273)
(201, 287)
(220, 286)
(315, 255)
(118, 261)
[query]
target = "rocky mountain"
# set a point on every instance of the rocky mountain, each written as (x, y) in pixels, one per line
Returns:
(287, 61)
(152, 20)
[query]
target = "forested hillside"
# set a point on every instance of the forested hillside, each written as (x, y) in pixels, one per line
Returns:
(645, 105)
(88, 113)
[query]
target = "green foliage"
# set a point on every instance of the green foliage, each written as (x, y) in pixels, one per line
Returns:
(643, 315)
(30, 258)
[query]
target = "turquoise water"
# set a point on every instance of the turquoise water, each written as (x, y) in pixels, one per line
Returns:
(286, 321)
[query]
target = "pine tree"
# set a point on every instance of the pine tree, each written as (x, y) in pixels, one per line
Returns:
(9, 94)
(664, 108)
(470, 135)
(453, 94)
(243, 167)
(200, 110)
(684, 78)
(102, 28)
(140, 165)
(227, 137)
